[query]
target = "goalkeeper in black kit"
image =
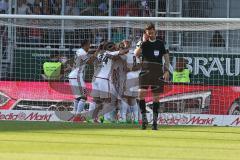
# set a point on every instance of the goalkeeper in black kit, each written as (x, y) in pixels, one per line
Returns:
(153, 73)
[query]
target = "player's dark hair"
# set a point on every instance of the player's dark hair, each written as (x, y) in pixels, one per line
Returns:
(84, 42)
(181, 59)
(102, 44)
(149, 27)
(109, 46)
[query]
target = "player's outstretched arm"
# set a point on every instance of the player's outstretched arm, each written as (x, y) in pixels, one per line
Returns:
(123, 51)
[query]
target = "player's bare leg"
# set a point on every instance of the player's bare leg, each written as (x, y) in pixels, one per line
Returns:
(99, 106)
(123, 110)
(134, 109)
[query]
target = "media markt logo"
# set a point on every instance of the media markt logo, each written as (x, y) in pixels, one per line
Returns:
(173, 120)
(9, 116)
(21, 116)
(33, 116)
(181, 120)
(201, 121)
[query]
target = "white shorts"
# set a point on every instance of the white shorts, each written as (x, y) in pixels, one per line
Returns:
(132, 84)
(77, 83)
(101, 88)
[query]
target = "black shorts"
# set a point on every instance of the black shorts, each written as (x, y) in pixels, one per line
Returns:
(151, 76)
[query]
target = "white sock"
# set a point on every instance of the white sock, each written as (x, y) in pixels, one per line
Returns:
(135, 110)
(123, 110)
(92, 106)
(75, 103)
(81, 105)
(108, 116)
(108, 109)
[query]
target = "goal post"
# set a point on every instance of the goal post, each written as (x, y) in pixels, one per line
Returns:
(210, 47)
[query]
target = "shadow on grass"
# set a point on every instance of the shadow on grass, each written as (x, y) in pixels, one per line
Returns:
(21, 126)
(34, 126)
(88, 129)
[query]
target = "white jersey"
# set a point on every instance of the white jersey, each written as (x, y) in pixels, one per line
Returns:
(106, 63)
(102, 84)
(97, 64)
(81, 58)
(138, 44)
(118, 76)
(132, 61)
(132, 82)
(76, 79)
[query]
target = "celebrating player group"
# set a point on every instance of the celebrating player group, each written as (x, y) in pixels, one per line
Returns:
(122, 75)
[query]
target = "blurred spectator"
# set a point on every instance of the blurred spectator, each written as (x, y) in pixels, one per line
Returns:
(102, 8)
(145, 8)
(36, 10)
(115, 6)
(53, 68)
(90, 8)
(118, 35)
(30, 2)
(38, 2)
(57, 7)
(23, 8)
(217, 40)
(3, 6)
(82, 4)
(71, 8)
(129, 9)
(46, 7)
(35, 33)
(181, 73)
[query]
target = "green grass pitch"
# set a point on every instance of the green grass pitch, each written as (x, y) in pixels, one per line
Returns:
(70, 141)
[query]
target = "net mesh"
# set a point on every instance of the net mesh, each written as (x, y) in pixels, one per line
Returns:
(91, 24)
(211, 50)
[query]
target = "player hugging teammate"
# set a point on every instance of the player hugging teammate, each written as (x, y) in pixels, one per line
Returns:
(108, 80)
(117, 74)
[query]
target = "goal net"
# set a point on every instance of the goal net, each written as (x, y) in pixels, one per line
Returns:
(209, 46)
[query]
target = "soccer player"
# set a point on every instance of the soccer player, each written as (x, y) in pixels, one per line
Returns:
(152, 73)
(76, 76)
(104, 87)
(128, 102)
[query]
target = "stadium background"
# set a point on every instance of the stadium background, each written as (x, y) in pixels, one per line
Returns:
(24, 48)
(34, 45)
(23, 53)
